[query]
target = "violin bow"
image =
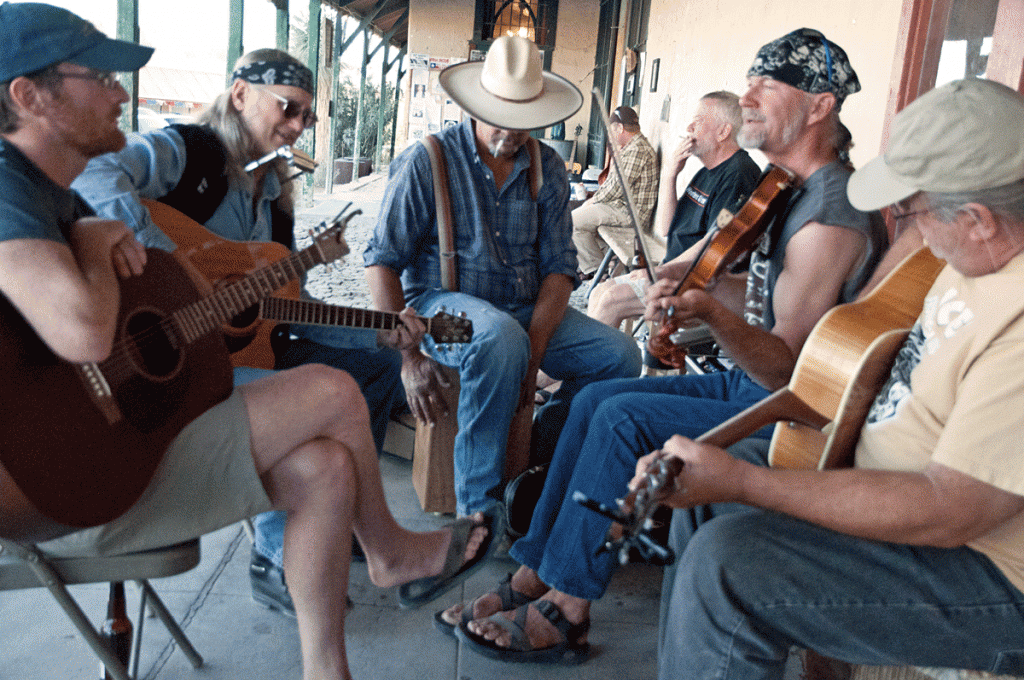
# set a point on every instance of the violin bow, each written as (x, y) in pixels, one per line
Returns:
(630, 205)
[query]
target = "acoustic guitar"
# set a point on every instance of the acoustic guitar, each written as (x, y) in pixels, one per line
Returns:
(252, 335)
(82, 440)
(442, 327)
(818, 416)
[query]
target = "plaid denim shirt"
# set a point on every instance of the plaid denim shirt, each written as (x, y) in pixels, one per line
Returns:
(507, 243)
(640, 168)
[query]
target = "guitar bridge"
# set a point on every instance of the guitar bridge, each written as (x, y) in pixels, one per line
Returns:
(100, 392)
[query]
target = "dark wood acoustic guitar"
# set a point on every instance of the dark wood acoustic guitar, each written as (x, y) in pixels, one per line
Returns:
(81, 440)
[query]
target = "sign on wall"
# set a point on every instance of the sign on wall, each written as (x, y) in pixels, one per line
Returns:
(430, 108)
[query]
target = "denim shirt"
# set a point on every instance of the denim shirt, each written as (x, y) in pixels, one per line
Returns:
(150, 166)
(507, 243)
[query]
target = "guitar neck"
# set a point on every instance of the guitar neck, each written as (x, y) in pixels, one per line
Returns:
(214, 311)
(313, 313)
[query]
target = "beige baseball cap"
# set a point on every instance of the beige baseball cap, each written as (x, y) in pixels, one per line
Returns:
(963, 136)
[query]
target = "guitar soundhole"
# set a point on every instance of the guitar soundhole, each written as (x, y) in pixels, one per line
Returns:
(153, 350)
(245, 318)
(155, 356)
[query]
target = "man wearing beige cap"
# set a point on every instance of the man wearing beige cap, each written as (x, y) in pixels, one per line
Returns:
(915, 556)
(512, 266)
(607, 207)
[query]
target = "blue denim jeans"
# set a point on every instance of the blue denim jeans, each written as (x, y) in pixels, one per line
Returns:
(378, 373)
(610, 425)
(748, 584)
(491, 369)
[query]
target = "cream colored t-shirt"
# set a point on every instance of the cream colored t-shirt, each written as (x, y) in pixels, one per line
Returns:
(956, 396)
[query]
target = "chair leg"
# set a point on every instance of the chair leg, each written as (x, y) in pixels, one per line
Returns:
(49, 578)
(602, 269)
(148, 594)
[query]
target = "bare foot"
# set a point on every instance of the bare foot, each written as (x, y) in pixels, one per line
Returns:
(524, 581)
(422, 555)
(541, 633)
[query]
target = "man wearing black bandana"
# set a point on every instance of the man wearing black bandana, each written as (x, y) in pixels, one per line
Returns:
(821, 253)
(201, 171)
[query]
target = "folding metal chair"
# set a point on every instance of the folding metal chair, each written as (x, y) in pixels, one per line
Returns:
(25, 566)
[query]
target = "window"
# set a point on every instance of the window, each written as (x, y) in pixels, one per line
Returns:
(533, 19)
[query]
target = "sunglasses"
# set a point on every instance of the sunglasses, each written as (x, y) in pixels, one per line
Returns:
(292, 108)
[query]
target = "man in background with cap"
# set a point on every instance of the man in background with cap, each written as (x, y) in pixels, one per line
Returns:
(607, 207)
(299, 440)
(515, 266)
(201, 170)
(819, 255)
(685, 221)
(916, 555)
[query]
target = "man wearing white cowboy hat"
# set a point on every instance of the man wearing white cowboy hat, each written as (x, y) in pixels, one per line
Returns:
(916, 554)
(516, 266)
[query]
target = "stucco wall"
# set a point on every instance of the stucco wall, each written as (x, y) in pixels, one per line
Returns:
(703, 46)
(444, 28)
(709, 45)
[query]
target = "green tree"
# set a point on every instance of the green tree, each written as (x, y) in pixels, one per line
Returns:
(345, 118)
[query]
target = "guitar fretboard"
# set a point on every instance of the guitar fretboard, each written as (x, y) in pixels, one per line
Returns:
(212, 312)
(312, 313)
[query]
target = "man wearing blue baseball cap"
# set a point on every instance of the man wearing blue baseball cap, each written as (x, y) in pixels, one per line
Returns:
(298, 441)
(915, 555)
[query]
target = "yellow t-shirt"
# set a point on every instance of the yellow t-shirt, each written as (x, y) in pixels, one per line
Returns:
(956, 396)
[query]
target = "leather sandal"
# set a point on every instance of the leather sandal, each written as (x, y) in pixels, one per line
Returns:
(570, 650)
(510, 599)
(456, 568)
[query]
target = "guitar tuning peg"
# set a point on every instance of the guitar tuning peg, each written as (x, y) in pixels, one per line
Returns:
(462, 315)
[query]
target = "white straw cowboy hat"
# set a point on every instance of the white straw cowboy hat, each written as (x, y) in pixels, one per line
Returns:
(509, 90)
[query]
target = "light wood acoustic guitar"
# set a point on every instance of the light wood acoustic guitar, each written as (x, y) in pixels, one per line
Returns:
(252, 336)
(842, 366)
(818, 416)
(81, 440)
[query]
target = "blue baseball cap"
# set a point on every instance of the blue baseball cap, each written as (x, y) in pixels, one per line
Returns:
(36, 35)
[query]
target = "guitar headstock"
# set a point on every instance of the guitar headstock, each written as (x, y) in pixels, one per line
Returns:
(329, 243)
(447, 328)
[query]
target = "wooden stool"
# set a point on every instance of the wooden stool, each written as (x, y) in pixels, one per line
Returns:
(433, 462)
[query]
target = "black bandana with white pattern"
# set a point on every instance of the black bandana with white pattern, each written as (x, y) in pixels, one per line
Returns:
(808, 61)
(276, 73)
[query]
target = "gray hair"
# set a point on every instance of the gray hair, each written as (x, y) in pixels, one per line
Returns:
(1006, 201)
(726, 106)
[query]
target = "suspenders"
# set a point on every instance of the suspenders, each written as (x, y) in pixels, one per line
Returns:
(442, 201)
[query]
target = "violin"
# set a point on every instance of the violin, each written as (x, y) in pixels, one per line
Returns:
(736, 235)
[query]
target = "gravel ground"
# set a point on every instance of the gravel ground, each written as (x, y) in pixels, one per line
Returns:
(344, 283)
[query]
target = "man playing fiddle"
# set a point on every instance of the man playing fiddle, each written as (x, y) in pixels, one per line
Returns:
(819, 254)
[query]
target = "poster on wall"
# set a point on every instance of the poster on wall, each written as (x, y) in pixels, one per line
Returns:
(430, 108)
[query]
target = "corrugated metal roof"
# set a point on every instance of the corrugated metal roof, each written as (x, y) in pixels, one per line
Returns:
(171, 84)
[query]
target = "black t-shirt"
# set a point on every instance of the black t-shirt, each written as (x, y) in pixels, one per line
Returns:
(704, 197)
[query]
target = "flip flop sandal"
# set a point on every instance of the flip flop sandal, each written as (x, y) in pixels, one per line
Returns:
(510, 599)
(570, 650)
(455, 570)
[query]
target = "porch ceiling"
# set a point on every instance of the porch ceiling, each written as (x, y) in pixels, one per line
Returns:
(388, 16)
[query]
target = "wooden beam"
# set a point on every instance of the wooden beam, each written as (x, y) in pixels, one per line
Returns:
(236, 14)
(128, 29)
(1006, 63)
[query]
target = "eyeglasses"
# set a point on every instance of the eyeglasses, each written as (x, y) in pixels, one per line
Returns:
(292, 108)
(898, 217)
(107, 79)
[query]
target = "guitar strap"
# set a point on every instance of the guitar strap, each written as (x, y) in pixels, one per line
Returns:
(447, 246)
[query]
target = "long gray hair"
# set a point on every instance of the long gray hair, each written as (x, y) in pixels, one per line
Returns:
(223, 117)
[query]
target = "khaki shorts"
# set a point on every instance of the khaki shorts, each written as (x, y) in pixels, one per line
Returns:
(206, 480)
